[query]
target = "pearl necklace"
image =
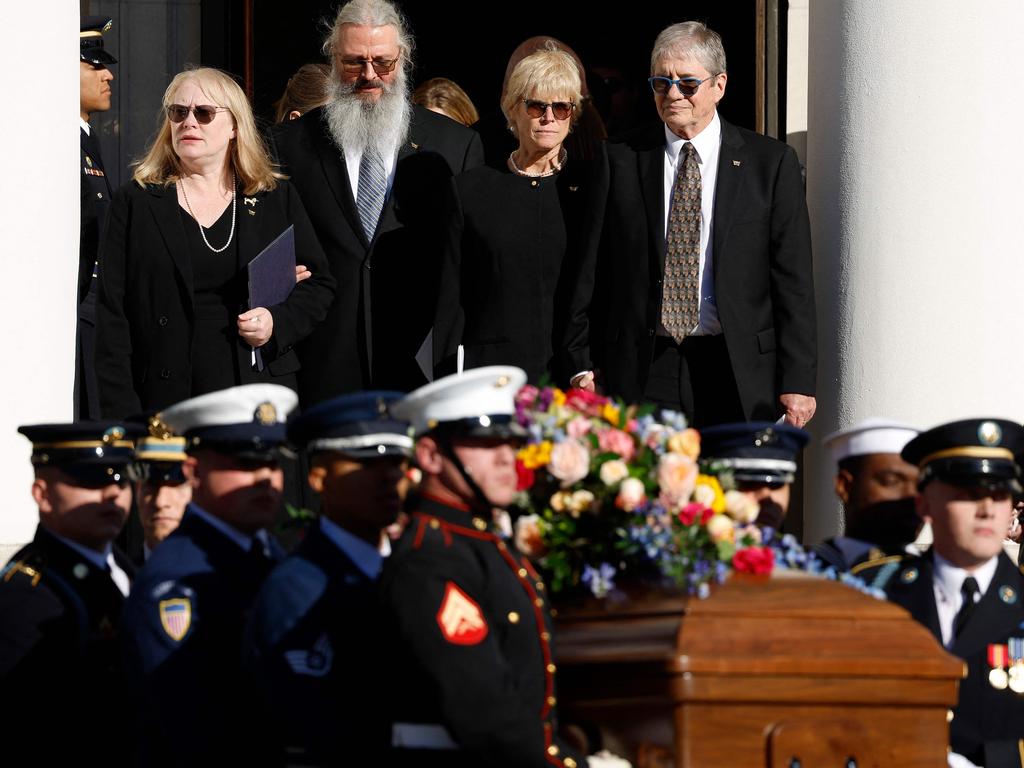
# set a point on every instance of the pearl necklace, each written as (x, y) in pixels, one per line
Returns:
(556, 166)
(202, 232)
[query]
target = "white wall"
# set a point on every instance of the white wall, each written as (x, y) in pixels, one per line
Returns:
(39, 197)
(914, 189)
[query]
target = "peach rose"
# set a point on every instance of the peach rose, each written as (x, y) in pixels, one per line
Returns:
(677, 476)
(613, 471)
(570, 462)
(559, 501)
(686, 442)
(720, 528)
(741, 507)
(631, 494)
(616, 441)
(528, 536)
(580, 501)
(577, 427)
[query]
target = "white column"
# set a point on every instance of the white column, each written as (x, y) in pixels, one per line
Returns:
(916, 193)
(39, 197)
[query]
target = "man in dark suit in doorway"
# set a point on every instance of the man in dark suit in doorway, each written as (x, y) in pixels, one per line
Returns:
(696, 290)
(373, 171)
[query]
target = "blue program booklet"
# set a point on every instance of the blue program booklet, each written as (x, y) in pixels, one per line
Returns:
(272, 276)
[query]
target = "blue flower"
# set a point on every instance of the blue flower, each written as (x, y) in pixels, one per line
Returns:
(599, 580)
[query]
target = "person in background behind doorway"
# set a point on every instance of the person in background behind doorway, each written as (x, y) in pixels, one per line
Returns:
(441, 95)
(307, 89)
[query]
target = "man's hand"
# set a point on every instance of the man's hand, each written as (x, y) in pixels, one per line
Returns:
(584, 381)
(799, 408)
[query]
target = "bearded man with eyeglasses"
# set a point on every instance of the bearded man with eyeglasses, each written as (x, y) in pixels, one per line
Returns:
(696, 289)
(373, 171)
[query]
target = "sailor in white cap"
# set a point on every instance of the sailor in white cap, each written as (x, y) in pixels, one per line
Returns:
(469, 623)
(184, 619)
(877, 489)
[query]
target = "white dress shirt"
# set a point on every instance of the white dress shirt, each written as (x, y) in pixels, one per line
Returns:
(947, 582)
(708, 144)
(355, 156)
(104, 561)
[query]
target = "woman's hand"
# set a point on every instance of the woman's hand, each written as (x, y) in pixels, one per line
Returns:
(256, 326)
(301, 273)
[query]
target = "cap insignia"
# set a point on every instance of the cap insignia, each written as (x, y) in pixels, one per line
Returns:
(158, 429)
(266, 414)
(989, 433)
(765, 437)
(382, 407)
(909, 576)
(113, 435)
(1008, 594)
(80, 571)
(501, 382)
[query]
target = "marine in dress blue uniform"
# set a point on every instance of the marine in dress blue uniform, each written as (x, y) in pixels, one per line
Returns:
(60, 602)
(94, 97)
(185, 618)
(965, 589)
(313, 643)
(469, 625)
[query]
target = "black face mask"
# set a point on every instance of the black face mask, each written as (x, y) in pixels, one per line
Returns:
(890, 525)
(771, 515)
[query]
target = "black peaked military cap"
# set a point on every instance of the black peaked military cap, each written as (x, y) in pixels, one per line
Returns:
(755, 452)
(90, 40)
(93, 453)
(969, 452)
(359, 425)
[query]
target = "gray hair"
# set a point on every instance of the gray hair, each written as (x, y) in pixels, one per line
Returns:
(372, 13)
(690, 39)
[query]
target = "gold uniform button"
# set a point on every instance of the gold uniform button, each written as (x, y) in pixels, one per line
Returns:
(553, 749)
(434, 523)
(479, 524)
(545, 636)
(513, 617)
(554, 613)
(552, 668)
(552, 701)
(522, 573)
(949, 715)
(539, 603)
(540, 586)
(569, 763)
(534, 184)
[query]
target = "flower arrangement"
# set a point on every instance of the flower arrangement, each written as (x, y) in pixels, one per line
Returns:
(608, 490)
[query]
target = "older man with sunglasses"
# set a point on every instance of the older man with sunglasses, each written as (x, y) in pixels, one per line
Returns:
(373, 171)
(696, 290)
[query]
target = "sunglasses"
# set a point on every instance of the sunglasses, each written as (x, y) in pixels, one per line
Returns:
(380, 66)
(686, 85)
(560, 109)
(204, 112)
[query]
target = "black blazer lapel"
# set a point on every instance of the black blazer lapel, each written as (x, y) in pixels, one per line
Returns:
(249, 221)
(730, 175)
(167, 214)
(332, 160)
(998, 613)
(915, 593)
(651, 167)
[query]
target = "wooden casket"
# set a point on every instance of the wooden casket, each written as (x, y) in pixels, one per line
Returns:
(787, 671)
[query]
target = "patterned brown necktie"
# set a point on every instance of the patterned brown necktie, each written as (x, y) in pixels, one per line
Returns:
(679, 300)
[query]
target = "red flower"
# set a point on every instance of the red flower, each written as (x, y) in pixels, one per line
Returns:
(585, 402)
(756, 560)
(524, 477)
(693, 512)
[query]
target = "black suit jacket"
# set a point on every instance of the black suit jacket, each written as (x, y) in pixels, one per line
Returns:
(988, 724)
(145, 313)
(387, 287)
(761, 250)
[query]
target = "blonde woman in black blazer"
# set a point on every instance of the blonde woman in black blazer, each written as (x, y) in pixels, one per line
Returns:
(173, 320)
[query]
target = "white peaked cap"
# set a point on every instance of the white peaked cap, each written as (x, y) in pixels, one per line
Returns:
(873, 435)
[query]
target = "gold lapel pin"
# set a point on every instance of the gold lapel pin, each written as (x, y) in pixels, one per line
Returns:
(736, 163)
(414, 145)
(251, 201)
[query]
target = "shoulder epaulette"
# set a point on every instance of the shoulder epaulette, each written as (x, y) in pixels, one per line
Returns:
(876, 562)
(13, 568)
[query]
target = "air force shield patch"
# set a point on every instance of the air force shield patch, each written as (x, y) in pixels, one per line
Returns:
(176, 617)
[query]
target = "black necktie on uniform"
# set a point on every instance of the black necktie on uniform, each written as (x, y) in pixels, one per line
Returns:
(258, 559)
(967, 591)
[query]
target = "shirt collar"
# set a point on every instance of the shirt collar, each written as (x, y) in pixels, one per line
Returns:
(85, 126)
(367, 558)
(704, 142)
(950, 578)
(243, 540)
(99, 559)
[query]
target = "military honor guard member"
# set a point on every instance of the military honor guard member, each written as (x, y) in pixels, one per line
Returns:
(877, 489)
(61, 597)
(94, 96)
(761, 457)
(965, 589)
(185, 618)
(161, 489)
(473, 672)
(313, 643)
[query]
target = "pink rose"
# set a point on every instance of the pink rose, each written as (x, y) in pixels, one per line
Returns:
(677, 477)
(577, 427)
(527, 396)
(570, 462)
(616, 441)
(631, 494)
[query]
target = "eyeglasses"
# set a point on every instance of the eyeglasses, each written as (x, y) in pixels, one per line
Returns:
(204, 112)
(686, 85)
(560, 109)
(380, 66)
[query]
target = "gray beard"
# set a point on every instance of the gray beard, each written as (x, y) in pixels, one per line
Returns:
(363, 126)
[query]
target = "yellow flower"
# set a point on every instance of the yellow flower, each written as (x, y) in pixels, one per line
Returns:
(712, 496)
(557, 397)
(686, 442)
(535, 455)
(610, 413)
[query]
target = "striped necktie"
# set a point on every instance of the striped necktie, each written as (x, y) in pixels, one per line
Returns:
(373, 187)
